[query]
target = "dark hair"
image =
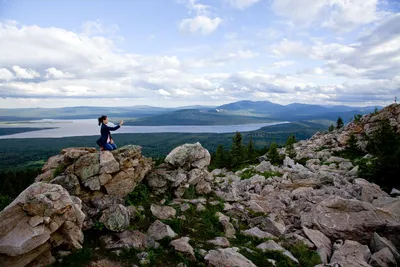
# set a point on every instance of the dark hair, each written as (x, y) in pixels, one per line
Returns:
(101, 119)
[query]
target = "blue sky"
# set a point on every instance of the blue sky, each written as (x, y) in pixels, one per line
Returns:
(208, 52)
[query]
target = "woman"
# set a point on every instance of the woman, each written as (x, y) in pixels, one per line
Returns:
(105, 141)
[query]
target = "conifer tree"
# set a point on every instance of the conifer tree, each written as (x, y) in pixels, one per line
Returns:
(290, 151)
(331, 128)
(219, 156)
(273, 155)
(339, 123)
(251, 152)
(237, 150)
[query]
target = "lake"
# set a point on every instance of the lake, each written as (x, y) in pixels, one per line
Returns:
(89, 127)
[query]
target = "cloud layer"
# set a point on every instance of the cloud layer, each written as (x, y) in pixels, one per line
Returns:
(52, 63)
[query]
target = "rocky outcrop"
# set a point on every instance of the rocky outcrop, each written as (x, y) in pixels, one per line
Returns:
(86, 173)
(184, 166)
(227, 257)
(41, 219)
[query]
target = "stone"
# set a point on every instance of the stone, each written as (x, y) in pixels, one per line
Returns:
(203, 187)
(163, 212)
(108, 164)
(271, 245)
(129, 239)
(182, 245)
(378, 243)
(185, 207)
(159, 230)
(41, 212)
(263, 166)
(269, 225)
(351, 219)
(323, 243)
(116, 218)
(257, 232)
(189, 156)
(69, 182)
(227, 257)
(87, 166)
(220, 242)
(351, 254)
(346, 165)
(395, 192)
(383, 258)
(369, 191)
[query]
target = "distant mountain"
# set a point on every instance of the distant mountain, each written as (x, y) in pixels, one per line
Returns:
(245, 111)
(197, 117)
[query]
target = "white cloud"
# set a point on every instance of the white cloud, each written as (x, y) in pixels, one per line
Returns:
(282, 64)
(5, 74)
(22, 73)
(200, 23)
(97, 28)
(246, 54)
(163, 92)
(58, 74)
(340, 15)
(287, 48)
(241, 3)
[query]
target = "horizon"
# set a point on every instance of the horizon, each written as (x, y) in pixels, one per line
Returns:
(179, 53)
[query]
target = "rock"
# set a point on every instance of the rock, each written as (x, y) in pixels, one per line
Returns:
(116, 218)
(340, 218)
(143, 258)
(39, 214)
(203, 187)
(369, 191)
(87, 166)
(333, 159)
(346, 165)
(129, 239)
(69, 182)
(163, 212)
(268, 225)
(383, 258)
(323, 243)
(227, 257)
(185, 207)
(388, 203)
(352, 254)
(182, 245)
(354, 171)
(378, 243)
(395, 192)
(108, 164)
(159, 230)
(229, 229)
(220, 242)
(257, 232)
(189, 156)
(263, 166)
(273, 246)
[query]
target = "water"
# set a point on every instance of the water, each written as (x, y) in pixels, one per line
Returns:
(89, 127)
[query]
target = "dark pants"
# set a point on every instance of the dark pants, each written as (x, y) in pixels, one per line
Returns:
(109, 146)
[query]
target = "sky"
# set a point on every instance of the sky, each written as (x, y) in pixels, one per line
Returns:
(171, 53)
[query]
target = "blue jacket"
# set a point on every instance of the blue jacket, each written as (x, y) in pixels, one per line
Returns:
(105, 131)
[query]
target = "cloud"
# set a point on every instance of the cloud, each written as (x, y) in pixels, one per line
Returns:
(200, 23)
(287, 48)
(5, 74)
(97, 28)
(58, 74)
(339, 15)
(163, 92)
(22, 73)
(241, 4)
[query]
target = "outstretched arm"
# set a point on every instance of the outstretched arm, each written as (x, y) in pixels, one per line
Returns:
(113, 128)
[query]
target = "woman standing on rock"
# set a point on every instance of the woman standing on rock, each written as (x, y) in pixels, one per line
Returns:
(105, 141)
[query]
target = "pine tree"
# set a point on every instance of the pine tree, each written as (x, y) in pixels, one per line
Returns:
(237, 150)
(352, 149)
(251, 152)
(331, 128)
(273, 154)
(290, 151)
(219, 156)
(339, 123)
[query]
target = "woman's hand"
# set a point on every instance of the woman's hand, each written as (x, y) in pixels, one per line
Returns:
(122, 122)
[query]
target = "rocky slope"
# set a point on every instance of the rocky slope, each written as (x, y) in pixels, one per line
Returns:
(181, 214)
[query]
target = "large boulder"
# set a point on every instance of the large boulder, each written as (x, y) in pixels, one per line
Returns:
(189, 156)
(227, 257)
(352, 254)
(352, 219)
(86, 173)
(43, 217)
